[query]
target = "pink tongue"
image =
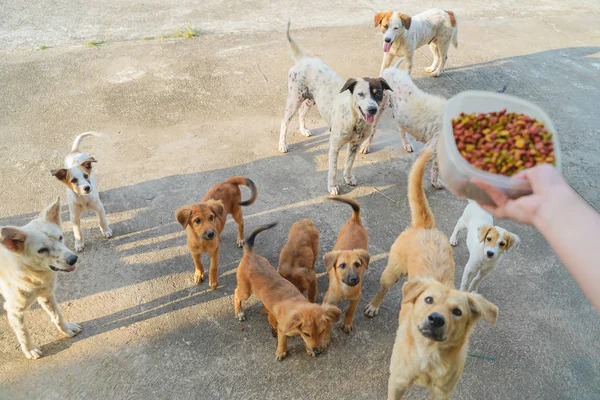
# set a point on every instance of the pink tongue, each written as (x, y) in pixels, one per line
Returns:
(71, 269)
(387, 47)
(370, 118)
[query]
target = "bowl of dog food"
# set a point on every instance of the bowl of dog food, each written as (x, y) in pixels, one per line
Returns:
(493, 136)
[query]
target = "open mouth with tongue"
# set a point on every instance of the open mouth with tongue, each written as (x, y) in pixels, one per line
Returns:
(367, 117)
(387, 46)
(70, 269)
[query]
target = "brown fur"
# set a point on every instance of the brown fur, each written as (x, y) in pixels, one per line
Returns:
(491, 236)
(298, 257)
(452, 18)
(200, 219)
(348, 260)
(290, 313)
(382, 18)
(406, 20)
(64, 174)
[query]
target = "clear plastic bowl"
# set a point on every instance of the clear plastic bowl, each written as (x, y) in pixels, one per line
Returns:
(456, 172)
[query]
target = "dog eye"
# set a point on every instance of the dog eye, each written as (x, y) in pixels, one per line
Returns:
(198, 221)
(60, 239)
(395, 28)
(457, 312)
(489, 239)
(361, 95)
(212, 218)
(386, 26)
(43, 250)
(357, 264)
(429, 300)
(502, 244)
(74, 180)
(306, 334)
(85, 176)
(342, 266)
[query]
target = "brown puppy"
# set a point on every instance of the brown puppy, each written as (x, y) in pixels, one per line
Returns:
(298, 257)
(435, 319)
(290, 313)
(205, 221)
(347, 263)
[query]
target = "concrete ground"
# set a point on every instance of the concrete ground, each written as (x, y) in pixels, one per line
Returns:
(183, 114)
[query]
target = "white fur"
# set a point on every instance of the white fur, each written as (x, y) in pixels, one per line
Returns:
(29, 272)
(480, 261)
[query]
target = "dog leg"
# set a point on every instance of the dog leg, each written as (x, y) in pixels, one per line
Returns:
(350, 157)
(409, 62)
(273, 323)
(405, 143)
(213, 272)
(199, 274)
(349, 316)
(396, 391)
(75, 212)
(388, 278)
(312, 291)
(103, 221)
(281, 345)
(386, 62)
(454, 237)
(334, 150)
(436, 393)
(304, 108)
(443, 51)
(16, 319)
(365, 147)
(293, 102)
(239, 220)
(433, 46)
(49, 304)
(468, 275)
(436, 182)
(242, 292)
(475, 283)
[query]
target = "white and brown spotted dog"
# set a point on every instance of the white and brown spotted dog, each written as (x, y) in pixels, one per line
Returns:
(402, 35)
(348, 108)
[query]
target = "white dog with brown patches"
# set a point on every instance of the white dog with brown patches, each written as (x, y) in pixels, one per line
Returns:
(30, 257)
(486, 243)
(82, 192)
(402, 35)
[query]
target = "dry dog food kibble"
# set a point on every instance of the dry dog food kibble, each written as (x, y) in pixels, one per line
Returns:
(502, 143)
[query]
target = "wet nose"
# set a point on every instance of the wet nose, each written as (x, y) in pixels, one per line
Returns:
(490, 254)
(317, 351)
(387, 39)
(210, 234)
(353, 280)
(436, 320)
(72, 259)
(372, 110)
(87, 189)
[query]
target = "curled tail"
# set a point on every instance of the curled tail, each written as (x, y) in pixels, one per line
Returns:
(353, 203)
(295, 49)
(419, 207)
(249, 244)
(454, 30)
(240, 180)
(77, 142)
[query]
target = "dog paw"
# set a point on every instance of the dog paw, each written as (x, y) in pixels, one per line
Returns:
(436, 73)
(437, 185)
(283, 148)
(72, 329)
(33, 354)
(108, 233)
(240, 243)
(79, 246)
(280, 355)
(213, 285)
(306, 132)
(371, 311)
(351, 180)
(429, 69)
(198, 278)
(408, 148)
(365, 149)
(453, 241)
(334, 190)
(241, 316)
(347, 328)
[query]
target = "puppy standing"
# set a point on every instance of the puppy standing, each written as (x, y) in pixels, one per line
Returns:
(204, 222)
(486, 243)
(30, 257)
(347, 263)
(348, 108)
(402, 35)
(290, 313)
(298, 257)
(82, 192)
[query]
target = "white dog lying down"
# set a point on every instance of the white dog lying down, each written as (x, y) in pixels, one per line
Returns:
(486, 243)
(82, 192)
(30, 257)
(416, 112)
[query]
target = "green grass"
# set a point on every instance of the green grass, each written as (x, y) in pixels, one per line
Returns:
(43, 47)
(187, 33)
(93, 43)
(147, 38)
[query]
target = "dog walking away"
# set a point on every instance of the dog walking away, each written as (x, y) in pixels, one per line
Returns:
(348, 108)
(486, 242)
(289, 312)
(347, 263)
(298, 257)
(204, 222)
(82, 192)
(30, 259)
(402, 35)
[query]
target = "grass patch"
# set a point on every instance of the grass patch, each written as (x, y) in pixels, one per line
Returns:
(187, 33)
(43, 47)
(93, 43)
(147, 38)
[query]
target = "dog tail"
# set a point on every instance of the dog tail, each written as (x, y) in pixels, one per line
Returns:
(78, 139)
(353, 203)
(455, 28)
(295, 50)
(419, 207)
(240, 180)
(249, 243)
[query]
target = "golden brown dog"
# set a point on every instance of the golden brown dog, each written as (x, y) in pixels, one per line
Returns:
(298, 256)
(435, 319)
(204, 222)
(290, 313)
(347, 263)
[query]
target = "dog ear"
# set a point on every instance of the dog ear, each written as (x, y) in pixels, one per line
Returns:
(379, 17)
(413, 289)
(217, 208)
(483, 232)
(331, 313)
(480, 307)
(87, 164)
(330, 258)
(406, 20)
(293, 322)
(52, 213)
(349, 85)
(384, 85)
(183, 215)
(512, 241)
(60, 174)
(364, 256)
(13, 238)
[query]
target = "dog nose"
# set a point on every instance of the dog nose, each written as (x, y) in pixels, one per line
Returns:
(210, 234)
(72, 259)
(436, 320)
(387, 39)
(353, 280)
(317, 351)
(87, 189)
(372, 110)
(490, 254)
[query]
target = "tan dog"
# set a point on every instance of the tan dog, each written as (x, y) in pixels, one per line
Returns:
(347, 263)
(290, 313)
(205, 221)
(298, 257)
(435, 319)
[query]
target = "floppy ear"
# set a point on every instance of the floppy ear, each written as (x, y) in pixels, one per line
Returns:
(349, 85)
(60, 174)
(331, 313)
(483, 232)
(413, 289)
(512, 241)
(330, 258)
(183, 216)
(378, 18)
(217, 208)
(385, 85)
(87, 164)
(406, 20)
(480, 307)
(52, 213)
(293, 322)
(13, 238)
(364, 256)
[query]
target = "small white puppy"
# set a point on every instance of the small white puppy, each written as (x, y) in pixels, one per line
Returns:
(30, 257)
(82, 192)
(486, 243)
